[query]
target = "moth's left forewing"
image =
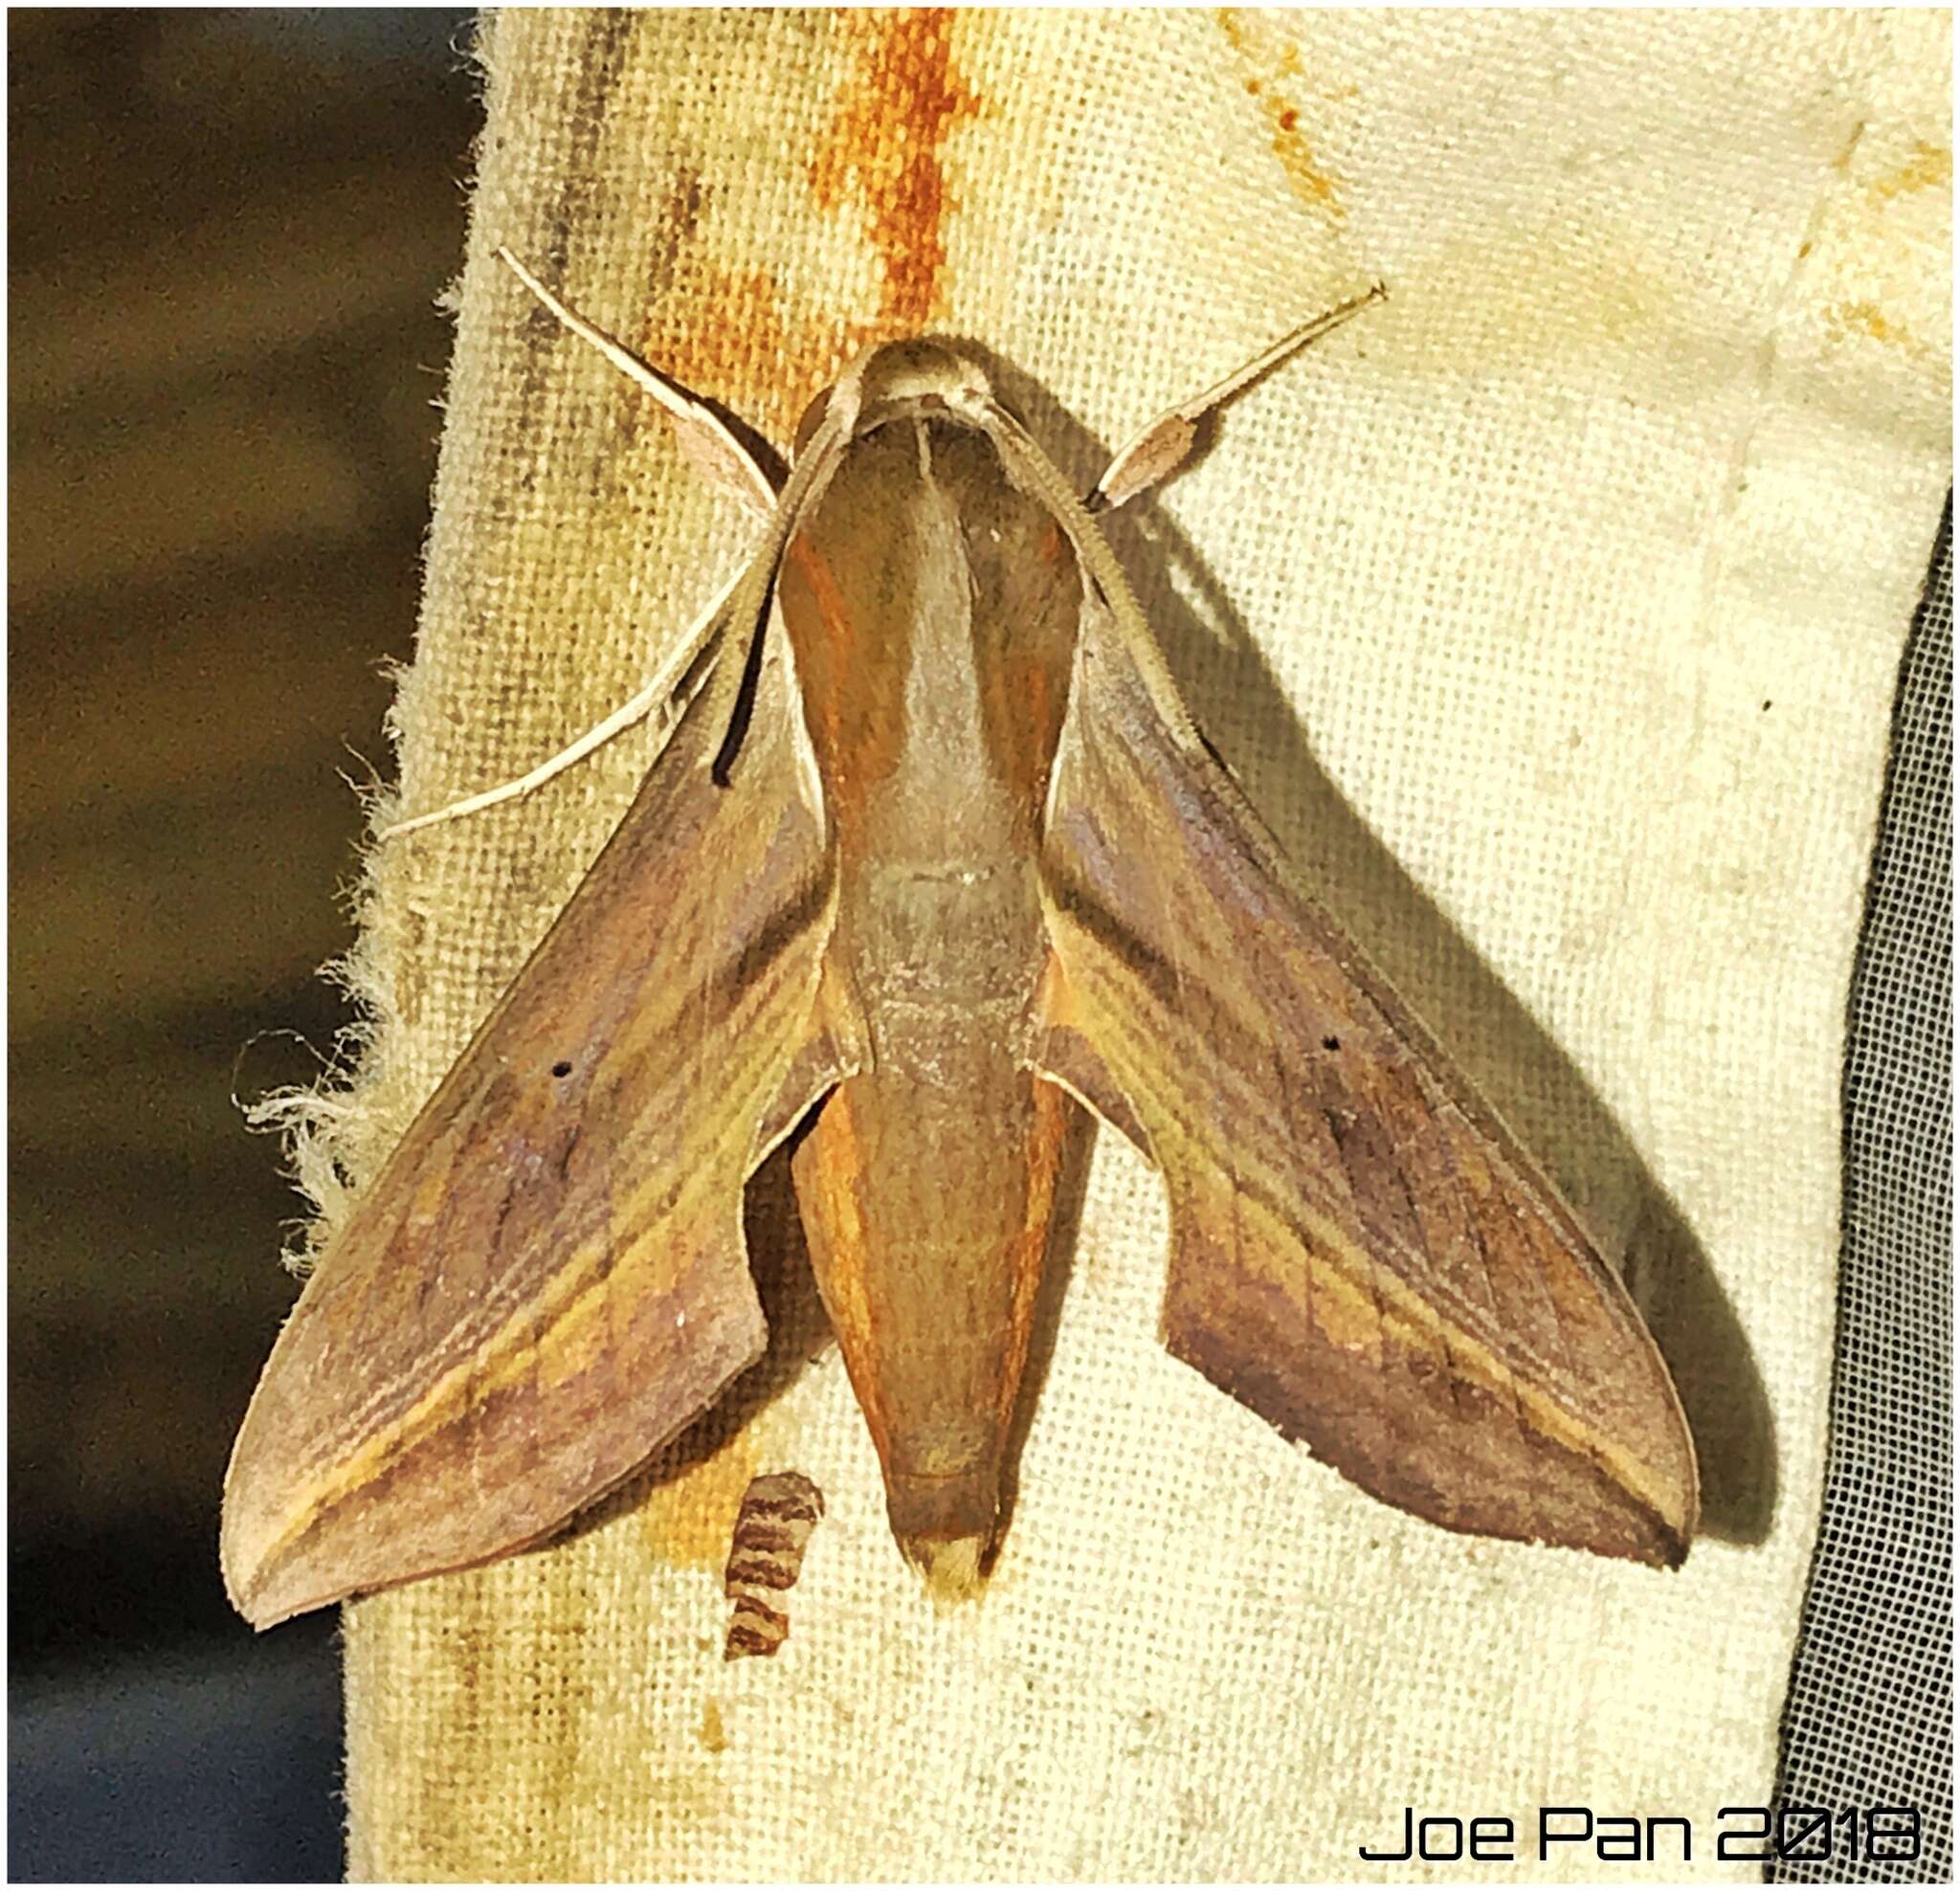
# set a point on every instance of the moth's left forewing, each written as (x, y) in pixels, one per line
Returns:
(547, 1279)
(1361, 1253)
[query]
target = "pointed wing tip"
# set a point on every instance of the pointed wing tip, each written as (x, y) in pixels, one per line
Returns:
(246, 1542)
(1664, 1512)
(1674, 1551)
(252, 1579)
(261, 1613)
(255, 1594)
(1675, 1536)
(271, 1573)
(1674, 1528)
(1630, 1530)
(268, 1589)
(1560, 1498)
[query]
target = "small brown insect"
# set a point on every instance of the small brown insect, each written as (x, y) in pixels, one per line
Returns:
(765, 1556)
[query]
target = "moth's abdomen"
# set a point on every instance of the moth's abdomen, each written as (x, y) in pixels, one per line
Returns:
(927, 1195)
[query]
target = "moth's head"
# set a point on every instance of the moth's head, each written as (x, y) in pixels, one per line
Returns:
(923, 375)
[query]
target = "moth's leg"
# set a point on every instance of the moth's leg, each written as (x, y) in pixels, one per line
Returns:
(665, 686)
(1164, 446)
(706, 440)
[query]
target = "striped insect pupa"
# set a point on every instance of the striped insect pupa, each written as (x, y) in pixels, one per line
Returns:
(765, 1556)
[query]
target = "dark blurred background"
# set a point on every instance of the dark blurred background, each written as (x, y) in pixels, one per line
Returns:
(228, 232)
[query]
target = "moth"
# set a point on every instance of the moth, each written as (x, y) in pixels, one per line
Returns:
(934, 847)
(772, 1530)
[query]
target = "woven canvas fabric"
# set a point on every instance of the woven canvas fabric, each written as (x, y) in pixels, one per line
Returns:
(1550, 615)
(1869, 1723)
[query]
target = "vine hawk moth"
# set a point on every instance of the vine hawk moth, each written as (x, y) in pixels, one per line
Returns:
(934, 847)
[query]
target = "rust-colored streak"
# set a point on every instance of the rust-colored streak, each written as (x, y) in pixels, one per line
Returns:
(883, 148)
(740, 343)
(829, 646)
(1046, 1143)
(740, 347)
(1309, 178)
(1036, 674)
(830, 1188)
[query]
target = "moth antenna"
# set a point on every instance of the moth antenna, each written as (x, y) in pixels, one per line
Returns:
(1161, 447)
(707, 440)
(665, 682)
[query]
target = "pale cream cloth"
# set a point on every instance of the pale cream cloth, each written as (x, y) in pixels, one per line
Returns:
(1550, 614)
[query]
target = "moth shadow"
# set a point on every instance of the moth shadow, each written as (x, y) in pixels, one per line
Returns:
(1507, 1054)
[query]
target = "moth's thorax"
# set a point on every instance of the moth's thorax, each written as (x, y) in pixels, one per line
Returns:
(932, 607)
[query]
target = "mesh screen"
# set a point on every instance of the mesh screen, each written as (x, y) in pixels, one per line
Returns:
(1868, 1724)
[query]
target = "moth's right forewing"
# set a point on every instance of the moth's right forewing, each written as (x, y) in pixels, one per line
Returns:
(1362, 1255)
(548, 1280)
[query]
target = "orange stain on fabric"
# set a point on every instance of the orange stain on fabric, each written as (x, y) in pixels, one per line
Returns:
(742, 348)
(687, 1517)
(884, 149)
(1930, 168)
(1863, 319)
(1312, 182)
(1867, 319)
